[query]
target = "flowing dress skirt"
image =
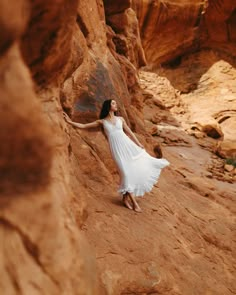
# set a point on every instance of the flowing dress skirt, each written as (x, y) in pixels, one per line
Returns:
(138, 170)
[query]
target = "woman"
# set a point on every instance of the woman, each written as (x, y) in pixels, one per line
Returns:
(138, 170)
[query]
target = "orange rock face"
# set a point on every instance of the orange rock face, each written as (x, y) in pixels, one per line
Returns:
(62, 225)
(25, 154)
(170, 29)
(220, 20)
(42, 207)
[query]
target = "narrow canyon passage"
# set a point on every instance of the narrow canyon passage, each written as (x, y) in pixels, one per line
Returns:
(171, 67)
(184, 237)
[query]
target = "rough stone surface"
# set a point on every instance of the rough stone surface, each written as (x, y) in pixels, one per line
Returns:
(62, 225)
(170, 29)
(208, 79)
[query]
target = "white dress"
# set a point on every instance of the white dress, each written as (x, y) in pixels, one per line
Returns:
(138, 170)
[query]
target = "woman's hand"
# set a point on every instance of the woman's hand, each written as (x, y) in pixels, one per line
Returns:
(132, 135)
(67, 118)
(80, 125)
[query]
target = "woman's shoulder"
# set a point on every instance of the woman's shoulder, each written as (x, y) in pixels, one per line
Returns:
(99, 121)
(121, 118)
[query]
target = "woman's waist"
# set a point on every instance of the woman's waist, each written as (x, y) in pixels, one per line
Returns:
(114, 133)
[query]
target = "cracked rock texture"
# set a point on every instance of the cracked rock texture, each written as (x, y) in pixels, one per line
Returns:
(62, 225)
(169, 28)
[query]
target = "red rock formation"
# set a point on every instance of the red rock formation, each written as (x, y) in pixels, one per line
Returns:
(167, 28)
(66, 55)
(170, 29)
(48, 55)
(58, 185)
(220, 20)
(41, 248)
(195, 25)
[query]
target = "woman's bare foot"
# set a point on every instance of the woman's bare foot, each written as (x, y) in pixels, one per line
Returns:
(126, 202)
(136, 207)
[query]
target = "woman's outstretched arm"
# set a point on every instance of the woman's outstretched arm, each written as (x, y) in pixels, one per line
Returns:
(130, 133)
(80, 125)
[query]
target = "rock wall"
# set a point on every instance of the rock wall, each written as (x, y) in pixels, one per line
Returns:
(71, 55)
(42, 251)
(219, 21)
(170, 29)
(54, 55)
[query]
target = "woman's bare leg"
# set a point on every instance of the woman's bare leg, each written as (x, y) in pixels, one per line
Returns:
(126, 201)
(135, 204)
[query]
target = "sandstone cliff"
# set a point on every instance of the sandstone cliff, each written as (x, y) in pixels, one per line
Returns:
(63, 229)
(169, 29)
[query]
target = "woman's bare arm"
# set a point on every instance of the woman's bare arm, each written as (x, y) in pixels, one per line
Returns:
(130, 133)
(80, 125)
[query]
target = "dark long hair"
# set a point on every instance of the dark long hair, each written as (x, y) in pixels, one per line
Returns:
(106, 109)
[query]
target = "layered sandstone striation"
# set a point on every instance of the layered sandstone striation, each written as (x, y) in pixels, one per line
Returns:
(54, 57)
(42, 250)
(207, 79)
(170, 29)
(63, 228)
(209, 28)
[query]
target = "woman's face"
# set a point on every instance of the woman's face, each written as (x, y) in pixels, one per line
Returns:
(114, 107)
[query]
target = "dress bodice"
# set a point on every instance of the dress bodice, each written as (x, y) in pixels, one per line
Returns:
(110, 127)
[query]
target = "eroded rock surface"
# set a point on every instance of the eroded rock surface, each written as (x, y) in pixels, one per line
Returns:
(63, 228)
(170, 29)
(207, 82)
